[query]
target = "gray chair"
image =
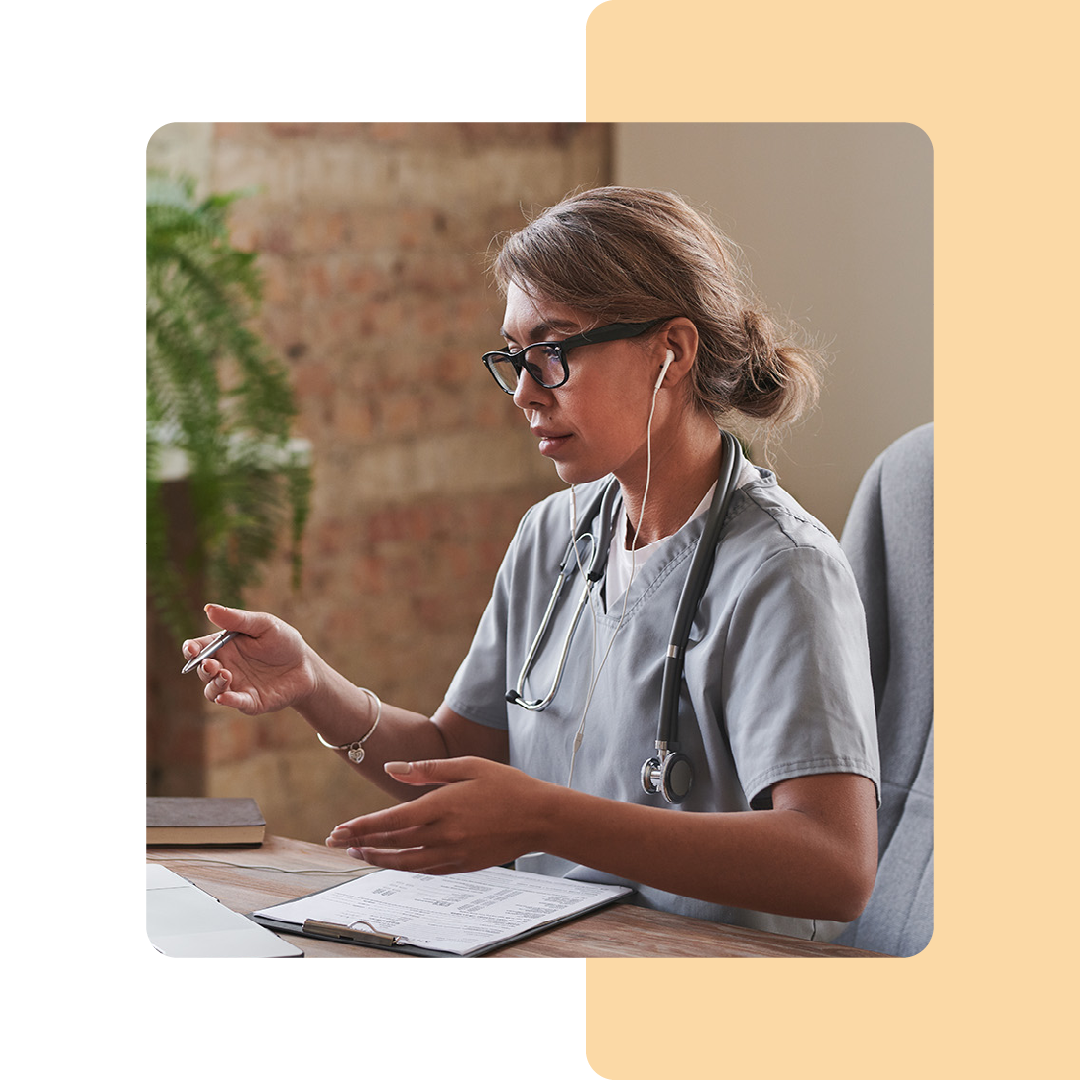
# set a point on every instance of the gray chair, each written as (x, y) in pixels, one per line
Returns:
(889, 540)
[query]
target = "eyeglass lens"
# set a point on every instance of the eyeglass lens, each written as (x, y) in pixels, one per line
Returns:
(543, 362)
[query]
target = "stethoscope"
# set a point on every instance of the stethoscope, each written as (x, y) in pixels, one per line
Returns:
(667, 771)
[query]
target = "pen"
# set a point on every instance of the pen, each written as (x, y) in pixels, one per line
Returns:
(223, 638)
(346, 933)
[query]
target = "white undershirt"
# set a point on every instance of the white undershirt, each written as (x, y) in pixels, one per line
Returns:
(622, 562)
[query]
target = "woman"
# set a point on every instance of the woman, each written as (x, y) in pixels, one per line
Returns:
(663, 345)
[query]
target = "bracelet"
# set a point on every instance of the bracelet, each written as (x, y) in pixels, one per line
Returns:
(356, 749)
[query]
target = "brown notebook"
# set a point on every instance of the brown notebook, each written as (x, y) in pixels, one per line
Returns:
(185, 822)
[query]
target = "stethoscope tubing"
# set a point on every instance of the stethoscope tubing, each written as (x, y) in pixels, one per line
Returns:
(597, 561)
(689, 599)
(692, 592)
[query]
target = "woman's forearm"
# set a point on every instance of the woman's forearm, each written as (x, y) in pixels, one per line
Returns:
(812, 856)
(343, 713)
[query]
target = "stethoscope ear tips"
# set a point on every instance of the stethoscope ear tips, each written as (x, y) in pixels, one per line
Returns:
(672, 777)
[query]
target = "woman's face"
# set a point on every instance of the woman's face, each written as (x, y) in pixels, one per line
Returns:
(595, 423)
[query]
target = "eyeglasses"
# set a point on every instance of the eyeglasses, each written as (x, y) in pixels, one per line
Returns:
(546, 360)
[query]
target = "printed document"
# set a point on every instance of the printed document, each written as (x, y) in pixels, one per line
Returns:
(452, 913)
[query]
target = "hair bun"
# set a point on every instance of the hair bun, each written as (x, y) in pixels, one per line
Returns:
(631, 255)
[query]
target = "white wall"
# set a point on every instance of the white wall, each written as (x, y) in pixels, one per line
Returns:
(835, 221)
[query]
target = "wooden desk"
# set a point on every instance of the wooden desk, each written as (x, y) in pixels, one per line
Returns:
(624, 930)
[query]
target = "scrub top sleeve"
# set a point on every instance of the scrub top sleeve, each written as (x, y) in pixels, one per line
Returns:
(478, 690)
(797, 665)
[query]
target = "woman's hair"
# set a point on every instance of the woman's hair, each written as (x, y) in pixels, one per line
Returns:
(632, 255)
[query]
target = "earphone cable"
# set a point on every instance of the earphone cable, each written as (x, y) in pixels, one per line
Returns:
(594, 673)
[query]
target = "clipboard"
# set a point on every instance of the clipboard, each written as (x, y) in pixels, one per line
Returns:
(478, 911)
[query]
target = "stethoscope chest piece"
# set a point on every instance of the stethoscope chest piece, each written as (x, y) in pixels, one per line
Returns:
(671, 774)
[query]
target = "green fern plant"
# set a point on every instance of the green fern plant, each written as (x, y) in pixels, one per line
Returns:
(218, 397)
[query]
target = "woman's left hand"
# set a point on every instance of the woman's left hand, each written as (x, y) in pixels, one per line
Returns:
(481, 814)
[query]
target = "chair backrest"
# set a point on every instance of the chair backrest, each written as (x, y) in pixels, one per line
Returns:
(889, 540)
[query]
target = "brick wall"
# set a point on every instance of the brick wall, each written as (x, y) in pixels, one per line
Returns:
(372, 240)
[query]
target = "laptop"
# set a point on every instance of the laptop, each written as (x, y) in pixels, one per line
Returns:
(116, 909)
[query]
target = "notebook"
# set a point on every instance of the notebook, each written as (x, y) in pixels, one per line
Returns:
(195, 822)
(137, 910)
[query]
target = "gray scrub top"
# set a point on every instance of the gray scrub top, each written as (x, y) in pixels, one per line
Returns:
(776, 681)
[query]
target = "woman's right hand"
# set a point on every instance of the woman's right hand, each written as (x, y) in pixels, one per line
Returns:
(269, 667)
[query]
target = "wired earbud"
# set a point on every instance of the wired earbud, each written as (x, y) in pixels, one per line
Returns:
(594, 676)
(668, 360)
(668, 772)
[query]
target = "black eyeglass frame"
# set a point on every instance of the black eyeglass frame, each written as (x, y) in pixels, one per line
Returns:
(596, 336)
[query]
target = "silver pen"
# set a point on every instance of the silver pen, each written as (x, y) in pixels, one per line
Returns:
(222, 639)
